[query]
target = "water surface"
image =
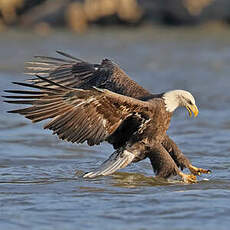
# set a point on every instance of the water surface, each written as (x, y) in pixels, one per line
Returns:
(38, 185)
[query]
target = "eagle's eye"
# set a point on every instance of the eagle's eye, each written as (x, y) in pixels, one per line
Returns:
(189, 102)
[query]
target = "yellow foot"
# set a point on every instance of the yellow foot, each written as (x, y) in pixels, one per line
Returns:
(197, 171)
(188, 178)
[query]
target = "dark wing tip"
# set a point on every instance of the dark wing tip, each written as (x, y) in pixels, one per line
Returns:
(11, 102)
(69, 56)
(12, 111)
(52, 82)
(6, 97)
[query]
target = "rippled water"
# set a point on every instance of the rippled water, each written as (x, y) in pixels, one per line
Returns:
(38, 186)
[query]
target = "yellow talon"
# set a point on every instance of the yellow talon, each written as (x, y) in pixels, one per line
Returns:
(197, 171)
(188, 178)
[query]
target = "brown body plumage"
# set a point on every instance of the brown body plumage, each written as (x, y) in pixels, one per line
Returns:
(99, 102)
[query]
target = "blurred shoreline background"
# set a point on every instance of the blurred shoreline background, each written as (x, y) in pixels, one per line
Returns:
(79, 15)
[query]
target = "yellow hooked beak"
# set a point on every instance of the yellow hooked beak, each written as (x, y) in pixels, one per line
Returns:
(192, 108)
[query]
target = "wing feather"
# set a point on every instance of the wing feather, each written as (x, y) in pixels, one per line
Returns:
(76, 115)
(76, 73)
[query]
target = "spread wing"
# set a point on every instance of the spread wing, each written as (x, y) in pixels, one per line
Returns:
(77, 115)
(76, 73)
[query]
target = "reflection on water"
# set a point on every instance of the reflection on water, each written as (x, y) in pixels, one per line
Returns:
(41, 182)
(132, 180)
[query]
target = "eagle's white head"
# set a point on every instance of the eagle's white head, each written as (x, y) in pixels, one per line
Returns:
(178, 98)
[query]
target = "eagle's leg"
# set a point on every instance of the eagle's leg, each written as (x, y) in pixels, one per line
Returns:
(180, 159)
(164, 165)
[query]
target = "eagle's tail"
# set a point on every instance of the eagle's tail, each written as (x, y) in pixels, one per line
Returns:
(118, 160)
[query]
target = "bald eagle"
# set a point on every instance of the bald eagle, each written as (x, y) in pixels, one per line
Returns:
(100, 102)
